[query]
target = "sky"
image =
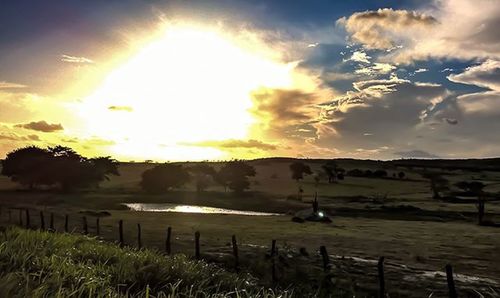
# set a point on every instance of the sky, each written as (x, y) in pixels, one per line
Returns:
(209, 80)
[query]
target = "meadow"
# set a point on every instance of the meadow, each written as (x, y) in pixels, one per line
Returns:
(371, 217)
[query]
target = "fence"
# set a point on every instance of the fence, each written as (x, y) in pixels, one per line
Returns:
(26, 221)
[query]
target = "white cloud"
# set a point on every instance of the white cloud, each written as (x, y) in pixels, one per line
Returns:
(75, 59)
(8, 85)
(360, 56)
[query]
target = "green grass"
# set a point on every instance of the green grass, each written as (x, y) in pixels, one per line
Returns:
(42, 264)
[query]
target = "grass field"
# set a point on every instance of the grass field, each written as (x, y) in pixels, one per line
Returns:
(395, 218)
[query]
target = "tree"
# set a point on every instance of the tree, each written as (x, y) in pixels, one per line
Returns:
(401, 175)
(203, 175)
(437, 183)
(331, 169)
(234, 175)
(475, 188)
(28, 166)
(60, 165)
(380, 174)
(163, 178)
(299, 169)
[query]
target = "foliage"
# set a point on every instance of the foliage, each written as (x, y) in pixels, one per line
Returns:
(474, 187)
(203, 176)
(234, 175)
(330, 168)
(42, 264)
(164, 177)
(437, 183)
(34, 166)
(299, 169)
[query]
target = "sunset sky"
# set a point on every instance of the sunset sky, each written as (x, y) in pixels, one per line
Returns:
(205, 79)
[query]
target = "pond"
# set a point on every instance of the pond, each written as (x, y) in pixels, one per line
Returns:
(167, 207)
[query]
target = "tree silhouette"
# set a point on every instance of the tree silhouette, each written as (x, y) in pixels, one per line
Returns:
(299, 169)
(475, 188)
(203, 175)
(34, 166)
(437, 183)
(164, 177)
(330, 169)
(28, 166)
(234, 175)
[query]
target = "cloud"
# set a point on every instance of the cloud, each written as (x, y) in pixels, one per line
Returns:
(421, 70)
(360, 56)
(237, 144)
(14, 137)
(450, 29)
(376, 29)
(75, 59)
(121, 108)
(8, 85)
(376, 69)
(17, 106)
(416, 154)
(42, 126)
(486, 74)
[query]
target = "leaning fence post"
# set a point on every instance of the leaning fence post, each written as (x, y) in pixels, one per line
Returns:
(168, 247)
(139, 240)
(97, 227)
(381, 279)
(197, 245)
(66, 222)
(324, 256)
(235, 253)
(451, 283)
(51, 224)
(42, 221)
(85, 225)
(120, 232)
(27, 219)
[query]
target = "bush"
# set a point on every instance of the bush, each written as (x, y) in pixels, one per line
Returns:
(163, 178)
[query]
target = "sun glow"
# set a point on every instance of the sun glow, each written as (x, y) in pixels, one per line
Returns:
(188, 86)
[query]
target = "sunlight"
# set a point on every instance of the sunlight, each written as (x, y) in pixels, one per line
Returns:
(189, 86)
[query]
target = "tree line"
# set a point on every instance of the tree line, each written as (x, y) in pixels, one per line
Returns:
(59, 166)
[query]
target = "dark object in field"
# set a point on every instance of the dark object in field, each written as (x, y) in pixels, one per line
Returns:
(451, 283)
(85, 225)
(97, 226)
(27, 218)
(309, 215)
(120, 232)
(66, 219)
(235, 253)
(303, 251)
(42, 221)
(95, 213)
(139, 240)
(51, 224)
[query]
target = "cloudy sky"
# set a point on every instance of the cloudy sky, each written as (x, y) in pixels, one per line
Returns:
(206, 79)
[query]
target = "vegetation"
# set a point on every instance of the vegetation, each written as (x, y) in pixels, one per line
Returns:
(203, 176)
(42, 264)
(234, 175)
(33, 166)
(164, 177)
(299, 169)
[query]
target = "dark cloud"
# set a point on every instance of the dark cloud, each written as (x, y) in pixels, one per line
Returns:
(415, 154)
(42, 126)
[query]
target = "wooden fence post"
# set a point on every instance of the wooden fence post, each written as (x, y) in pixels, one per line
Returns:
(451, 283)
(324, 256)
(10, 215)
(197, 245)
(235, 253)
(168, 248)
(120, 232)
(381, 278)
(85, 225)
(273, 248)
(42, 221)
(97, 226)
(66, 223)
(20, 217)
(51, 225)
(139, 240)
(28, 219)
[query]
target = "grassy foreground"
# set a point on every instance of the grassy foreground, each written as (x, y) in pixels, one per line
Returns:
(42, 264)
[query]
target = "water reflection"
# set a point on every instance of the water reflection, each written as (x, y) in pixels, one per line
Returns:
(166, 207)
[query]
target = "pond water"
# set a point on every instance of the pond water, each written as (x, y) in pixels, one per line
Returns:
(167, 207)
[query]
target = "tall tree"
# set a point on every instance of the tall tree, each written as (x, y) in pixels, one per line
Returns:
(330, 168)
(299, 169)
(28, 166)
(203, 175)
